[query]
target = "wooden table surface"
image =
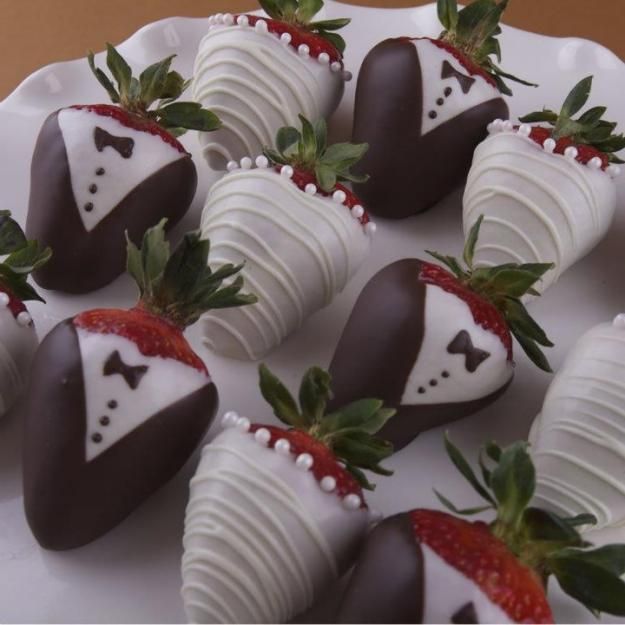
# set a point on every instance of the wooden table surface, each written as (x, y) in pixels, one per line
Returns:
(34, 33)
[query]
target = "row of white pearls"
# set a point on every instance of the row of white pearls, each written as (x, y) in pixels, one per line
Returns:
(282, 447)
(227, 19)
(549, 145)
(23, 319)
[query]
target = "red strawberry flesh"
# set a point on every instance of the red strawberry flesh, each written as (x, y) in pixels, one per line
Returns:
(15, 305)
(471, 549)
(153, 335)
(132, 121)
(324, 461)
(484, 313)
(299, 36)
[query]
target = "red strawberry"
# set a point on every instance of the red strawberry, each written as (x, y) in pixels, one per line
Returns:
(118, 400)
(301, 234)
(18, 338)
(259, 74)
(101, 170)
(424, 104)
(432, 567)
(437, 341)
(277, 514)
(546, 193)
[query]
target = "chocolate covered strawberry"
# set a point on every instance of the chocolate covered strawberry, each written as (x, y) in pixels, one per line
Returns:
(118, 400)
(18, 338)
(546, 191)
(435, 567)
(100, 170)
(435, 343)
(259, 74)
(300, 232)
(423, 105)
(277, 514)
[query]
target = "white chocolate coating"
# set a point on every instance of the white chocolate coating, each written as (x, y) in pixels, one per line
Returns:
(444, 584)
(431, 60)
(445, 316)
(299, 251)
(578, 440)
(256, 84)
(121, 175)
(18, 344)
(165, 382)
(262, 539)
(538, 207)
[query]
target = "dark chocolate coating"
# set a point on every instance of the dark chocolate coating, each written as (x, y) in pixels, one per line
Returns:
(70, 502)
(379, 347)
(387, 583)
(84, 261)
(409, 172)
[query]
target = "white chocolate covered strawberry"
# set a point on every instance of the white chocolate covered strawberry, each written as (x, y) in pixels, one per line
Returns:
(546, 193)
(578, 439)
(259, 74)
(301, 234)
(277, 514)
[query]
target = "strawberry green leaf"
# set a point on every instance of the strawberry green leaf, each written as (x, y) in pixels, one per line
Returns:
(286, 137)
(592, 585)
(103, 79)
(450, 262)
(460, 511)
(544, 525)
(314, 394)
(581, 519)
(448, 14)
(533, 352)
(469, 248)
(119, 68)
(154, 257)
(336, 40)
(273, 8)
(577, 98)
(275, 157)
(465, 469)
(308, 9)
(308, 145)
(12, 237)
(540, 116)
(152, 80)
(175, 85)
(279, 398)
(326, 177)
(188, 115)
(519, 319)
(608, 557)
(321, 136)
(331, 25)
(28, 258)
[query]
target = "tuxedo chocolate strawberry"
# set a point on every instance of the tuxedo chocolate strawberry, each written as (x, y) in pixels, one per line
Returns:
(118, 400)
(259, 74)
(546, 192)
(277, 514)
(423, 105)
(18, 338)
(437, 344)
(434, 567)
(100, 170)
(300, 232)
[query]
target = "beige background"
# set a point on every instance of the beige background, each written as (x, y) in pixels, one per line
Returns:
(37, 32)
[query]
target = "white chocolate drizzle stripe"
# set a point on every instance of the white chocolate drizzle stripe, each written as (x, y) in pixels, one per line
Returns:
(231, 331)
(513, 228)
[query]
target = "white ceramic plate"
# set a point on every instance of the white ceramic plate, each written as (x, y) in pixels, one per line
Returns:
(132, 574)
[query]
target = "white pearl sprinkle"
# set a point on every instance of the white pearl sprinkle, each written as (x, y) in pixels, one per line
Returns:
(262, 162)
(614, 171)
(4, 300)
(495, 125)
(230, 419)
(303, 50)
(243, 424)
(283, 447)
(351, 502)
(525, 130)
(211, 20)
(339, 196)
(375, 516)
(287, 171)
(328, 483)
(347, 76)
(549, 145)
(262, 436)
(310, 188)
(358, 211)
(507, 125)
(261, 26)
(228, 19)
(324, 58)
(371, 228)
(304, 462)
(219, 18)
(619, 321)
(232, 165)
(246, 162)
(24, 318)
(243, 20)
(571, 152)
(595, 163)
(285, 38)
(335, 66)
